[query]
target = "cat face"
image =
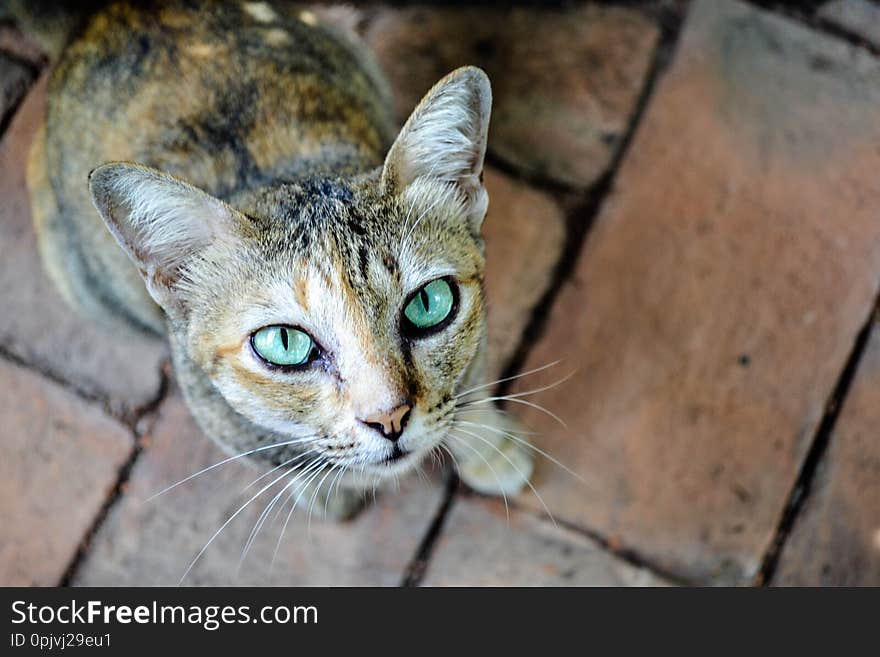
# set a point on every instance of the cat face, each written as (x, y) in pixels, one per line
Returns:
(345, 308)
(342, 312)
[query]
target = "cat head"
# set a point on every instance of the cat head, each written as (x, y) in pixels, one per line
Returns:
(343, 311)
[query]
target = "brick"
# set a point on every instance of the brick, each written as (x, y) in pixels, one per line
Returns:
(836, 539)
(481, 546)
(717, 297)
(36, 324)
(151, 543)
(565, 81)
(858, 17)
(59, 460)
(525, 234)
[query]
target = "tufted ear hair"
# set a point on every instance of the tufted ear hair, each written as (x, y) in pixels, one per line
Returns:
(160, 221)
(444, 140)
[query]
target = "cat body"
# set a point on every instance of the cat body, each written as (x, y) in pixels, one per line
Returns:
(243, 159)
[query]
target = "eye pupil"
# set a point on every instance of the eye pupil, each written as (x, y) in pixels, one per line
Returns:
(430, 306)
(283, 345)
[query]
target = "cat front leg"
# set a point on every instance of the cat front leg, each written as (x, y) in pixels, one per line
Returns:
(492, 455)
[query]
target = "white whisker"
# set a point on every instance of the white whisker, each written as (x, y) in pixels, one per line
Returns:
(303, 486)
(316, 465)
(525, 393)
(520, 401)
(335, 481)
(507, 378)
(524, 443)
(229, 520)
(446, 449)
(463, 442)
(315, 496)
(228, 460)
(513, 465)
(279, 466)
(266, 511)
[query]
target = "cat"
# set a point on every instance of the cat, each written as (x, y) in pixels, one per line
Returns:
(226, 176)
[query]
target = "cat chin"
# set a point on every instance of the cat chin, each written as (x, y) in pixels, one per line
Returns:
(391, 469)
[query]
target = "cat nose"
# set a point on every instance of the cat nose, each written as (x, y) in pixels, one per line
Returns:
(390, 424)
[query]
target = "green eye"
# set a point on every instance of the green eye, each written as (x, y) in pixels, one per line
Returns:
(430, 305)
(282, 345)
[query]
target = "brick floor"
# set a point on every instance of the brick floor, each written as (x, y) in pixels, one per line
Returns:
(858, 17)
(525, 233)
(36, 325)
(718, 295)
(836, 539)
(151, 543)
(564, 81)
(61, 458)
(481, 545)
(708, 318)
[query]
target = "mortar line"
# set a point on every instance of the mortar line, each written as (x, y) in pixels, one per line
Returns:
(126, 416)
(802, 487)
(809, 18)
(122, 478)
(597, 194)
(628, 555)
(583, 216)
(69, 386)
(415, 570)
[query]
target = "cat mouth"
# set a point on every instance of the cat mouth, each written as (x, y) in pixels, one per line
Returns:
(396, 455)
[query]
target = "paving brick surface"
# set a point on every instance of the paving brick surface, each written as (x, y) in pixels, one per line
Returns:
(36, 325)
(482, 546)
(708, 318)
(858, 17)
(836, 538)
(151, 543)
(565, 81)
(60, 459)
(525, 233)
(718, 296)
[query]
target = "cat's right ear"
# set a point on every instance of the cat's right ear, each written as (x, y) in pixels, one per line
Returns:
(160, 221)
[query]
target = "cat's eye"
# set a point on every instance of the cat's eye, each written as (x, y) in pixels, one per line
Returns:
(283, 345)
(430, 307)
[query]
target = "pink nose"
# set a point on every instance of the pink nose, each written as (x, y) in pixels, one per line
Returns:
(390, 424)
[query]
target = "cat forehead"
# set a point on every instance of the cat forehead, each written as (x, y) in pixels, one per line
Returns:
(327, 220)
(347, 235)
(314, 205)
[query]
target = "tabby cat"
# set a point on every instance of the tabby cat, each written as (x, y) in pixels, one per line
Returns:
(319, 282)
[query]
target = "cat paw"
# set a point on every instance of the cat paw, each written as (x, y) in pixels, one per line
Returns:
(503, 472)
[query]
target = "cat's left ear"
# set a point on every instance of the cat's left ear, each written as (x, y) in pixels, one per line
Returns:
(445, 140)
(162, 223)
